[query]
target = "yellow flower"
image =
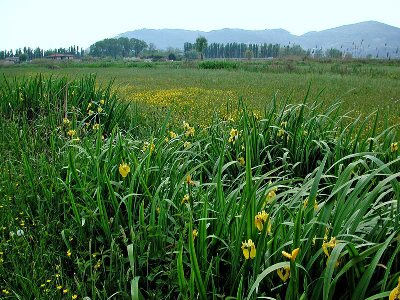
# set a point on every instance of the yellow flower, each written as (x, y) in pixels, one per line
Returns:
(187, 144)
(241, 161)
(172, 135)
(283, 124)
(68, 254)
(189, 180)
(74, 296)
(96, 126)
(395, 293)
(65, 291)
(89, 105)
(260, 220)
(42, 285)
(6, 292)
(195, 233)
(283, 273)
(249, 249)
(59, 287)
(186, 125)
(158, 209)
(48, 280)
(102, 101)
(315, 204)
(280, 133)
(291, 256)
(124, 169)
(99, 109)
(71, 132)
(90, 112)
(271, 195)
(331, 244)
(394, 147)
(233, 136)
(166, 139)
(146, 145)
(185, 199)
(189, 131)
(65, 121)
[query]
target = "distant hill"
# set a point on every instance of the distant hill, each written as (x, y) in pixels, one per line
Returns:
(360, 39)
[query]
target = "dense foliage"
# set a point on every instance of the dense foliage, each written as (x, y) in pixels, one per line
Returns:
(120, 47)
(296, 202)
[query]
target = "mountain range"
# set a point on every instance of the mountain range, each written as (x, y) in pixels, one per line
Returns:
(360, 39)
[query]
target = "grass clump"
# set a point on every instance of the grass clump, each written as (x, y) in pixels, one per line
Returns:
(218, 64)
(286, 204)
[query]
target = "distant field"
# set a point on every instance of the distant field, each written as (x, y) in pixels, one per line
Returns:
(194, 94)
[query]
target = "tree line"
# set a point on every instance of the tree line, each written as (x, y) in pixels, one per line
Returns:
(28, 53)
(118, 47)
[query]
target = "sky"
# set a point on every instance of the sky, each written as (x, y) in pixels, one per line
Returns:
(52, 24)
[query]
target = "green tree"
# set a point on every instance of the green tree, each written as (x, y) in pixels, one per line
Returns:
(201, 45)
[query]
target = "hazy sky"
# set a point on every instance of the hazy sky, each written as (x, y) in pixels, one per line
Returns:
(50, 24)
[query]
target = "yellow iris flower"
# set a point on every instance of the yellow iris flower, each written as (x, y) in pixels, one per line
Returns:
(249, 249)
(124, 169)
(284, 273)
(292, 256)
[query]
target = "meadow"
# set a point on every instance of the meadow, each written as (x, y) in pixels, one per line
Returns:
(269, 180)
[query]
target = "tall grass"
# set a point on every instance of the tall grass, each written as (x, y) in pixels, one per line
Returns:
(178, 225)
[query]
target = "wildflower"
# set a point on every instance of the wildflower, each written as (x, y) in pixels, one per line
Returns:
(99, 109)
(66, 121)
(89, 106)
(124, 169)
(75, 296)
(195, 233)
(394, 147)
(260, 219)
(69, 253)
(185, 199)
(48, 280)
(90, 112)
(158, 209)
(305, 132)
(395, 293)
(146, 145)
(189, 131)
(249, 249)
(187, 145)
(57, 275)
(280, 133)
(305, 204)
(65, 291)
(283, 273)
(189, 180)
(6, 292)
(102, 102)
(241, 161)
(59, 287)
(233, 136)
(271, 195)
(186, 125)
(96, 126)
(71, 132)
(331, 244)
(283, 124)
(172, 135)
(97, 265)
(20, 232)
(166, 139)
(42, 285)
(291, 256)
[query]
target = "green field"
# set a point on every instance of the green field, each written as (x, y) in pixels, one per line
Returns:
(268, 180)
